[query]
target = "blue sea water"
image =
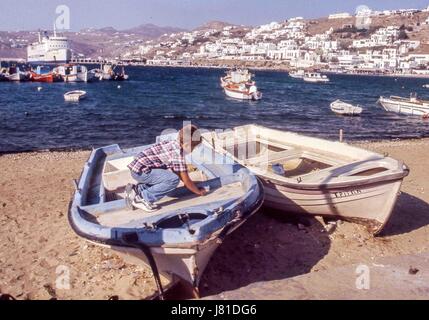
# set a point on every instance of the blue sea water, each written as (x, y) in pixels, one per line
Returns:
(159, 98)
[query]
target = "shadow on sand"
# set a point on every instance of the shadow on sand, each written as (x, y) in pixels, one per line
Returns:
(268, 247)
(410, 213)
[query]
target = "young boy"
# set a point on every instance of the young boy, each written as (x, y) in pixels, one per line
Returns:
(158, 169)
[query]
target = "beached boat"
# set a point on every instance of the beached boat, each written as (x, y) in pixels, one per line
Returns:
(15, 73)
(75, 96)
(44, 74)
(316, 177)
(298, 74)
(74, 73)
(345, 109)
(315, 77)
(408, 106)
(179, 238)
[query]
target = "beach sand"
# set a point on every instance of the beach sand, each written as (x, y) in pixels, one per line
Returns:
(36, 241)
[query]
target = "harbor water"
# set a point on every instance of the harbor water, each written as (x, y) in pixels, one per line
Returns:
(155, 99)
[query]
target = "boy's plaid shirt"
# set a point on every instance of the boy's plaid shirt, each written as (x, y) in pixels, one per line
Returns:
(166, 155)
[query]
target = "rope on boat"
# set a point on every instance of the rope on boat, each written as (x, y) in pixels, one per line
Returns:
(133, 239)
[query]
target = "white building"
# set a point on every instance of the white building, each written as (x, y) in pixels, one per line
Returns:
(342, 15)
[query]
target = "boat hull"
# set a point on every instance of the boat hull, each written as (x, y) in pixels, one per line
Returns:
(348, 203)
(178, 250)
(402, 107)
(235, 94)
(310, 80)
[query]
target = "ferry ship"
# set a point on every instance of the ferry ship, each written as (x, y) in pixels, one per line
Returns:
(54, 49)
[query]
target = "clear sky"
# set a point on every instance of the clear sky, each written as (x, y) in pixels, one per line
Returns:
(188, 14)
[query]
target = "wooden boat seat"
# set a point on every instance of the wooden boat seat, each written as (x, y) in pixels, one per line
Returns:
(125, 217)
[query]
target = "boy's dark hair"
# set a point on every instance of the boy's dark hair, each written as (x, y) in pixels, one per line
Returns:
(187, 134)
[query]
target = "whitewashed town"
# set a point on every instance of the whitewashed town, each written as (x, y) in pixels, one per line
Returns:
(388, 49)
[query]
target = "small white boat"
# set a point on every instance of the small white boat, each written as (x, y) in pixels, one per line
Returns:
(408, 106)
(345, 109)
(315, 77)
(298, 74)
(426, 86)
(243, 91)
(75, 96)
(313, 176)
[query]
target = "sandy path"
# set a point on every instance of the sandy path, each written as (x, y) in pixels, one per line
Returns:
(35, 238)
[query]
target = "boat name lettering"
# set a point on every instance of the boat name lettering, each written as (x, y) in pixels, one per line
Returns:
(344, 194)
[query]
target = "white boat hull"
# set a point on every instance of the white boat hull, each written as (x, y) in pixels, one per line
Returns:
(317, 177)
(242, 95)
(345, 109)
(402, 107)
(349, 203)
(312, 80)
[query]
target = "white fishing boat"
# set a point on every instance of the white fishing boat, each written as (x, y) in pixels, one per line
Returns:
(238, 84)
(107, 73)
(408, 106)
(345, 109)
(15, 74)
(74, 73)
(297, 74)
(243, 91)
(75, 96)
(179, 238)
(315, 77)
(313, 176)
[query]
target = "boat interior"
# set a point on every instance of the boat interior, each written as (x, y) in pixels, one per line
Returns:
(105, 201)
(284, 155)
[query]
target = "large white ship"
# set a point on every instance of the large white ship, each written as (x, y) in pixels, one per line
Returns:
(54, 49)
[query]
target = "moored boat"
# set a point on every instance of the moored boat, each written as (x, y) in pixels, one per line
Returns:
(313, 176)
(238, 84)
(44, 74)
(297, 74)
(426, 86)
(315, 77)
(74, 73)
(178, 239)
(243, 91)
(345, 109)
(15, 73)
(408, 106)
(75, 96)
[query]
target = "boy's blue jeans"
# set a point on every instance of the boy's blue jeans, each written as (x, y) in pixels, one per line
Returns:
(156, 184)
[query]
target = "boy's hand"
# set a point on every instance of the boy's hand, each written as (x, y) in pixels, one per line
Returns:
(202, 192)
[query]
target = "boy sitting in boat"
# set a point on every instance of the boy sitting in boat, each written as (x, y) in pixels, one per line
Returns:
(159, 169)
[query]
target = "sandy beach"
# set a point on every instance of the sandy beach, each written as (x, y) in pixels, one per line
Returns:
(36, 241)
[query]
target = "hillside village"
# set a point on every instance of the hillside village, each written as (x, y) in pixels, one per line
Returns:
(395, 41)
(333, 43)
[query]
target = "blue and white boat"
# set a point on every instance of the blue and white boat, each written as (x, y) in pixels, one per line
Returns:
(179, 238)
